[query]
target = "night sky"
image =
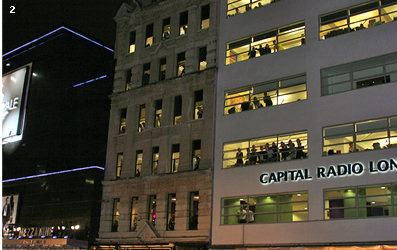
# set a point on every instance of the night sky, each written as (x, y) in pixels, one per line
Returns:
(34, 18)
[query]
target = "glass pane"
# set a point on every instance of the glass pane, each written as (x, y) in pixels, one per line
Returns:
(292, 206)
(335, 79)
(265, 208)
(342, 87)
(363, 19)
(375, 211)
(368, 72)
(293, 81)
(337, 70)
(338, 131)
(229, 220)
(340, 193)
(266, 218)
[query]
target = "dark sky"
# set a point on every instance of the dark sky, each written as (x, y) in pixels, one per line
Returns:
(34, 18)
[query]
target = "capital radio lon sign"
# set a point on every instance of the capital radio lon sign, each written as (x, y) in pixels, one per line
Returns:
(14, 96)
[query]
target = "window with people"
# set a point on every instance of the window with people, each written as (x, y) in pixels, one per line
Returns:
(357, 17)
(269, 149)
(235, 7)
(360, 74)
(275, 92)
(271, 41)
(134, 214)
(267, 208)
(360, 136)
(361, 202)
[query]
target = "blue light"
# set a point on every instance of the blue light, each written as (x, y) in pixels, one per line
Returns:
(89, 81)
(47, 174)
(43, 236)
(11, 238)
(35, 40)
(30, 236)
(54, 237)
(65, 237)
(20, 236)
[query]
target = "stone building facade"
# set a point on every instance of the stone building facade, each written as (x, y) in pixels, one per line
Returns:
(158, 178)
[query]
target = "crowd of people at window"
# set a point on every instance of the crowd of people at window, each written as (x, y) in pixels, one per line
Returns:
(247, 7)
(271, 153)
(267, 50)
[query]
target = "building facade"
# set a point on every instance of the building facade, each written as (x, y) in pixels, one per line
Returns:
(305, 136)
(158, 179)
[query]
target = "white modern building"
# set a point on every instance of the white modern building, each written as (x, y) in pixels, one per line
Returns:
(326, 88)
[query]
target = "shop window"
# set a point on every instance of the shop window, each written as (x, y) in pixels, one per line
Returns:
(361, 74)
(194, 199)
(155, 160)
(138, 163)
(166, 28)
(128, 82)
(171, 208)
(269, 208)
(202, 58)
(180, 64)
(158, 113)
(178, 110)
(357, 18)
(149, 35)
(360, 202)
(235, 7)
(196, 154)
(115, 214)
(360, 136)
(132, 42)
(271, 41)
(183, 23)
(146, 74)
(205, 16)
(198, 104)
(272, 93)
(162, 70)
(119, 165)
(175, 158)
(152, 210)
(142, 117)
(263, 150)
(134, 214)
(123, 121)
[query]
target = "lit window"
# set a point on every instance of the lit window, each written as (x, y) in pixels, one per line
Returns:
(123, 121)
(175, 158)
(138, 164)
(198, 104)
(205, 16)
(128, 83)
(149, 35)
(155, 160)
(134, 214)
(119, 165)
(263, 150)
(183, 23)
(196, 154)
(166, 28)
(115, 214)
(269, 208)
(360, 202)
(132, 42)
(158, 113)
(202, 58)
(180, 64)
(171, 208)
(193, 210)
(360, 136)
(357, 18)
(272, 93)
(142, 117)
(241, 6)
(271, 41)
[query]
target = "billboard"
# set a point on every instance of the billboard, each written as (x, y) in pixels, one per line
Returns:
(14, 96)
(9, 212)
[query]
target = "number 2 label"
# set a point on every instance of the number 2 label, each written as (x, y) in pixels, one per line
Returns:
(12, 11)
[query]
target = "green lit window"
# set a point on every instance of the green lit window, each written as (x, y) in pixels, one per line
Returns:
(269, 149)
(360, 136)
(268, 208)
(271, 41)
(360, 202)
(272, 93)
(357, 18)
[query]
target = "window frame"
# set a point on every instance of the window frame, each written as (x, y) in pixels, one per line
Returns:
(175, 157)
(119, 165)
(115, 215)
(142, 118)
(138, 162)
(152, 205)
(123, 121)
(194, 201)
(171, 211)
(155, 159)
(134, 214)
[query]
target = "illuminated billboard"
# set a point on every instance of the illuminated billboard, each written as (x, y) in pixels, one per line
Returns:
(14, 97)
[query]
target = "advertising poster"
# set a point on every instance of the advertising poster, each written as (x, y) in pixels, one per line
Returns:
(9, 212)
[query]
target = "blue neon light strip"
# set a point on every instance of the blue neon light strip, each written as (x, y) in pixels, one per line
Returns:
(89, 81)
(35, 40)
(47, 174)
